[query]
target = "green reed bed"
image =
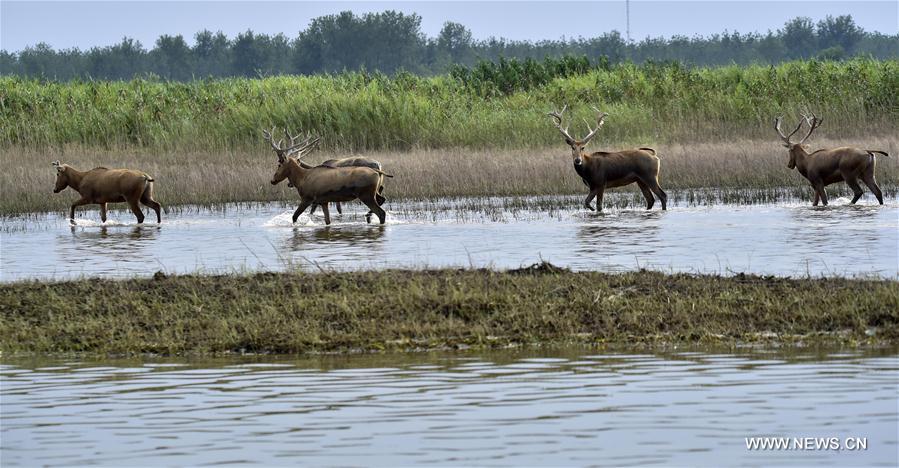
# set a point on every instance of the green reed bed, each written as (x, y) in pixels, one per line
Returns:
(358, 111)
(401, 310)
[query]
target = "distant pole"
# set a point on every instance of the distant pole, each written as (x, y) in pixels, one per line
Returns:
(627, 8)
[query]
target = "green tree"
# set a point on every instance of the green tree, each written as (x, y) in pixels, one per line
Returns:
(799, 37)
(212, 54)
(172, 58)
(839, 32)
(246, 58)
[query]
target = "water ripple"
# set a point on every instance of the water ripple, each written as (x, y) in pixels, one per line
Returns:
(561, 408)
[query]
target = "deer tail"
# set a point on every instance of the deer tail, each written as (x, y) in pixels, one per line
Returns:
(650, 150)
(384, 173)
(872, 152)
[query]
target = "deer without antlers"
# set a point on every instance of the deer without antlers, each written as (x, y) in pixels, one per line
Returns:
(828, 166)
(101, 186)
(601, 170)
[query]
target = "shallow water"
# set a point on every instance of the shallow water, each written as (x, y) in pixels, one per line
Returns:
(781, 239)
(517, 407)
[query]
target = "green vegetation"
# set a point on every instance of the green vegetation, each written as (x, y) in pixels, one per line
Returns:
(359, 111)
(481, 131)
(299, 312)
(392, 41)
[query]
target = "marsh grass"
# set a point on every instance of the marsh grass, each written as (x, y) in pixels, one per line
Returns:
(738, 171)
(363, 112)
(401, 310)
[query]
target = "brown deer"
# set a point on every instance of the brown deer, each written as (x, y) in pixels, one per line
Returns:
(602, 170)
(828, 166)
(101, 186)
(320, 185)
(357, 161)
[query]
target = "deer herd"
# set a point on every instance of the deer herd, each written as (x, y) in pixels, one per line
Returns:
(342, 180)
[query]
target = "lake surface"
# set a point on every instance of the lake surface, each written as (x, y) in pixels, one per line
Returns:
(517, 407)
(786, 239)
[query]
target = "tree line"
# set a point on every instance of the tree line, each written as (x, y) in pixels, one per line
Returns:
(392, 41)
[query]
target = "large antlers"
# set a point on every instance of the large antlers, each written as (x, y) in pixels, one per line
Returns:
(600, 116)
(294, 149)
(304, 147)
(813, 123)
(557, 121)
(268, 137)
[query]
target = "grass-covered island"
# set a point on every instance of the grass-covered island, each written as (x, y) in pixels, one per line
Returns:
(299, 312)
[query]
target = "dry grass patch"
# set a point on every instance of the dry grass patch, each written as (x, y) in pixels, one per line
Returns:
(744, 168)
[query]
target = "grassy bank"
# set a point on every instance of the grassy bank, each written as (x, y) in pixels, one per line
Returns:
(741, 171)
(298, 313)
(356, 111)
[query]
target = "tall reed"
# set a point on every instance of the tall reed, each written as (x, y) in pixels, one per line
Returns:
(361, 111)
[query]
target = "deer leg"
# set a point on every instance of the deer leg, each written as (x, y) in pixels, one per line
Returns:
(819, 187)
(868, 179)
(817, 197)
(153, 204)
(83, 201)
(103, 212)
(312, 211)
(303, 205)
(857, 191)
(373, 206)
(590, 197)
(327, 212)
(339, 209)
(647, 194)
(657, 189)
(135, 208)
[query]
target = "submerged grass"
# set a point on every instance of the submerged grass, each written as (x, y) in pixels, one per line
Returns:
(401, 310)
(739, 171)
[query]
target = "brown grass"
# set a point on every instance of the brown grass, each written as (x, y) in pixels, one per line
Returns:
(395, 309)
(743, 167)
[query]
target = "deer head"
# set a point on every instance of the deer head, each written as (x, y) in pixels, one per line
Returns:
(813, 123)
(62, 178)
(295, 150)
(577, 146)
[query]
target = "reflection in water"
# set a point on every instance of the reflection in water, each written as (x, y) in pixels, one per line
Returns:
(333, 246)
(116, 236)
(780, 239)
(827, 236)
(633, 239)
(364, 236)
(564, 407)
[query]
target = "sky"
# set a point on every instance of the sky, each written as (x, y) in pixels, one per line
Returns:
(82, 24)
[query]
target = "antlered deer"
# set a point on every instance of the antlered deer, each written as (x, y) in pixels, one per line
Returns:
(321, 184)
(101, 186)
(829, 166)
(602, 170)
(356, 161)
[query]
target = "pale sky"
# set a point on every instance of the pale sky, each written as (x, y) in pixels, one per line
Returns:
(65, 24)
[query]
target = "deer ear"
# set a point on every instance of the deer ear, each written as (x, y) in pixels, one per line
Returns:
(59, 166)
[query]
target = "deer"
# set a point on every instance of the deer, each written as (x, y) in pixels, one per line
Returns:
(601, 170)
(320, 185)
(829, 166)
(357, 161)
(101, 186)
